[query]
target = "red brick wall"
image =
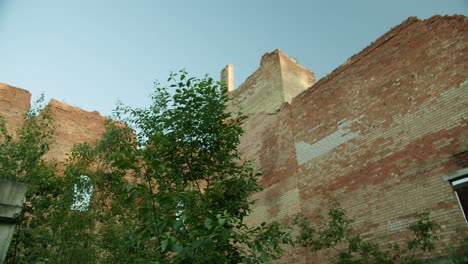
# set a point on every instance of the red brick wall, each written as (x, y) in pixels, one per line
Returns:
(400, 110)
(14, 103)
(378, 133)
(268, 142)
(278, 79)
(72, 125)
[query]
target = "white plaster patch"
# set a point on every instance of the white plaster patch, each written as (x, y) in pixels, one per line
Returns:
(306, 152)
(399, 224)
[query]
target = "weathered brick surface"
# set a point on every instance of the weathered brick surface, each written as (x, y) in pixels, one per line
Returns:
(277, 80)
(383, 128)
(269, 143)
(262, 91)
(295, 78)
(379, 133)
(14, 103)
(72, 125)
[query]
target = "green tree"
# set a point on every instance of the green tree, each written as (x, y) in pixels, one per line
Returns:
(178, 191)
(334, 232)
(48, 230)
(21, 159)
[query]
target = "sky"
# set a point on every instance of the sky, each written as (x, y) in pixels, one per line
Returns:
(92, 53)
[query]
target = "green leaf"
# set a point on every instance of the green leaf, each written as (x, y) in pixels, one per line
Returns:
(207, 223)
(178, 224)
(197, 243)
(177, 248)
(129, 187)
(164, 244)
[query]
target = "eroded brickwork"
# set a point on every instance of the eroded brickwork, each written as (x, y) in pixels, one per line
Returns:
(14, 103)
(378, 133)
(72, 125)
(277, 80)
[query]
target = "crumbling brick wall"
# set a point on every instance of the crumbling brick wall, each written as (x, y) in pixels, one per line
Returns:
(72, 124)
(277, 80)
(14, 103)
(378, 133)
(385, 128)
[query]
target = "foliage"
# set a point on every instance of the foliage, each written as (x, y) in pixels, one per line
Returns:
(20, 155)
(48, 230)
(178, 192)
(21, 160)
(175, 192)
(336, 233)
(460, 256)
(424, 239)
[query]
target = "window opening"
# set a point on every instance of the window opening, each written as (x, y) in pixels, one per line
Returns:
(82, 192)
(460, 186)
(179, 210)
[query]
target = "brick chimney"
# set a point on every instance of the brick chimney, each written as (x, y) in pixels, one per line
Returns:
(227, 76)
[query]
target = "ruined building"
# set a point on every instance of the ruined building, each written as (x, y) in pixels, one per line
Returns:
(386, 133)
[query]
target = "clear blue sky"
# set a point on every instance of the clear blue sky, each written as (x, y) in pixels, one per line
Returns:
(90, 53)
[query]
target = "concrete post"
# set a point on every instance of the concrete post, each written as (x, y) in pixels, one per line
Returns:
(227, 76)
(12, 196)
